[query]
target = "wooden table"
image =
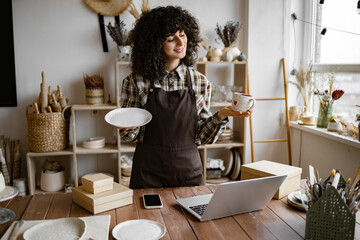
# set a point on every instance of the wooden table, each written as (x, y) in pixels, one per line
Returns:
(276, 221)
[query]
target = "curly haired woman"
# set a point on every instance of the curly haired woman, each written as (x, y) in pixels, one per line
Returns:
(164, 42)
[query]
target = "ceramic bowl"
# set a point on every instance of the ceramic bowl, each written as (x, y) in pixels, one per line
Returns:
(334, 127)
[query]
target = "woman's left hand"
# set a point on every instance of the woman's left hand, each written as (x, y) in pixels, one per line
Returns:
(227, 112)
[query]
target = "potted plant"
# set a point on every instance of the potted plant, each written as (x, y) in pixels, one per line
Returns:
(120, 36)
(52, 177)
(228, 35)
(327, 95)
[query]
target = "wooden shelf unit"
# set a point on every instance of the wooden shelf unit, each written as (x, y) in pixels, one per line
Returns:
(238, 124)
(240, 73)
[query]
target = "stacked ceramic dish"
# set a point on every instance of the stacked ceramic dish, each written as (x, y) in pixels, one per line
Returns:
(94, 142)
(232, 163)
(226, 136)
(298, 200)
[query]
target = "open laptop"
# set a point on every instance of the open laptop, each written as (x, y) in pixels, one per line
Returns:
(233, 198)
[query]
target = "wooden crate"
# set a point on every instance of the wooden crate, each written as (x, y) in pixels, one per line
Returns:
(97, 183)
(117, 197)
(266, 168)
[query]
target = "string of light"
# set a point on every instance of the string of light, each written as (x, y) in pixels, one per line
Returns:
(324, 29)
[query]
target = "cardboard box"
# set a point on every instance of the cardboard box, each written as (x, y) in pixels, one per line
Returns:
(266, 168)
(97, 183)
(117, 197)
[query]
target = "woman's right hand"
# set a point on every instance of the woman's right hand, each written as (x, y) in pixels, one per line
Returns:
(228, 112)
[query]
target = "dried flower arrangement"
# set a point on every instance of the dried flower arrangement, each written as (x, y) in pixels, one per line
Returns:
(229, 33)
(145, 7)
(304, 84)
(328, 96)
(118, 33)
(94, 81)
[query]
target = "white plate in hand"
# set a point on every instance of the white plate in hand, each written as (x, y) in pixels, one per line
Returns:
(128, 117)
(59, 229)
(139, 229)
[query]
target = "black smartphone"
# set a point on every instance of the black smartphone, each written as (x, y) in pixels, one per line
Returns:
(152, 201)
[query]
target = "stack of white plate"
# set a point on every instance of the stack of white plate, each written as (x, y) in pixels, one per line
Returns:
(20, 184)
(232, 163)
(94, 142)
(226, 136)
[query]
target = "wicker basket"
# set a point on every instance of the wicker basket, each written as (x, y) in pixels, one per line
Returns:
(48, 132)
(330, 218)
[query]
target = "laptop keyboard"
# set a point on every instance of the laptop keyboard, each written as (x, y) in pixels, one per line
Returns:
(199, 209)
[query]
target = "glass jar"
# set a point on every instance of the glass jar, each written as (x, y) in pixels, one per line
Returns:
(325, 112)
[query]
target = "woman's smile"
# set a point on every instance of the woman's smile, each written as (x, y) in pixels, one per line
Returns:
(174, 48)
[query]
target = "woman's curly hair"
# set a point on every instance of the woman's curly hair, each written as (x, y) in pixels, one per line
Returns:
(151, 30)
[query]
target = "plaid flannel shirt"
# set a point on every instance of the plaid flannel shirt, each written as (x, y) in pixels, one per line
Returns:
(135, 91)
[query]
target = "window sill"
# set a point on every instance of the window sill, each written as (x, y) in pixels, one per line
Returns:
(351, 141)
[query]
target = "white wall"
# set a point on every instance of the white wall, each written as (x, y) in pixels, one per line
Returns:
(267, 45)
(62, 38)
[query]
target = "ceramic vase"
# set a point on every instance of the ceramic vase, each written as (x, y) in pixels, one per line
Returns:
(52, 182)
(325, 111)
(124, 53)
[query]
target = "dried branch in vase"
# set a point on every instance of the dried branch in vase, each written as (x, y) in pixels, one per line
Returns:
(229, 33)
(94, 81)
(304, 83)
(118, 33)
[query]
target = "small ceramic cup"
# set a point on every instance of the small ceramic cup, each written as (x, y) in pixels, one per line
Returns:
(242, 102)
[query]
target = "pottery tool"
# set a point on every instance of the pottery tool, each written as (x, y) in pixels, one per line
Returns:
(36, 107)
(335, 183)
(49, 93)
(55, 105)
(353, 185)
(49, 109)
(16, 230)
(43, 95)
(61, 97)
(311, 175)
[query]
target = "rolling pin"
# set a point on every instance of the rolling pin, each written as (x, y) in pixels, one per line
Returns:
(43, 94)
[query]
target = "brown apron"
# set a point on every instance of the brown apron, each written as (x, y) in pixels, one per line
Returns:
(168, 155)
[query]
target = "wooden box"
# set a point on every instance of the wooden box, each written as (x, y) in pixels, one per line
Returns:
(117, 197)
(266, 168)
(97, 183)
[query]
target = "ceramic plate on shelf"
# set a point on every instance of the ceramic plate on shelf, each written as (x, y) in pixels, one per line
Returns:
(66, 228)
(94, 142)
(237, 165)
(228, 159)
(128, 117)
(139, 229)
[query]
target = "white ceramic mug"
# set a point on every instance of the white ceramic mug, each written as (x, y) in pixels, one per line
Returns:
(242, 102)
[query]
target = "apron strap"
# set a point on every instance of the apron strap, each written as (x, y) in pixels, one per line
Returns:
(151, 95)
(188, 80)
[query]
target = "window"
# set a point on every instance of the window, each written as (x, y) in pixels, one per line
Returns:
(338, 51)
